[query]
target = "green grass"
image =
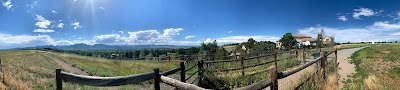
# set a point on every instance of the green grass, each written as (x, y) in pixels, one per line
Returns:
(234, 79)
(377, 67)
(27, 70)
(104, 67)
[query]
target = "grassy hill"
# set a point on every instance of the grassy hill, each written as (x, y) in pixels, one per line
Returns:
(29, 70)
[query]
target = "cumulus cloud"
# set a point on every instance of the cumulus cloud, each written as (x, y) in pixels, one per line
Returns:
(368, 33)
(385, 26)
(172, 32)
(74, 1)
(42, 22)
(239, 39)
(101, 8)
(229, 31)
(8, 4)
(343, 18)
(43, 30)
(122, 32)
(11, 41)
(76, 25)
(190, 36)
(61, 25)
(363, 12)
(109, 39)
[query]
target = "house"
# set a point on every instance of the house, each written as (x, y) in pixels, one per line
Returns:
(328, 41)
(304, 40)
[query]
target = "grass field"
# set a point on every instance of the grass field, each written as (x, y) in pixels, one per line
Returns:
(29, 70)
(104, 67)
(377, 67)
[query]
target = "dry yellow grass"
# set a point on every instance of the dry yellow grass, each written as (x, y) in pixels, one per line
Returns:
(372, 83)
(332, 82)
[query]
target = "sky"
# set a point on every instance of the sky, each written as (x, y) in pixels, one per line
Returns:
(25, 23)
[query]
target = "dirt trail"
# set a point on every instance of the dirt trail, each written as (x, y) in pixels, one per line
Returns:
(67, 66)
(345, 68)
(75, 70)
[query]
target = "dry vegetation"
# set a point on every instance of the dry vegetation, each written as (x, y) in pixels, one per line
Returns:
(104, 67)
(378, 67)
(29, 70)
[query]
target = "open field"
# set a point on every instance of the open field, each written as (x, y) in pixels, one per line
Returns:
(377, 67)
(30, 70)
(104, 67)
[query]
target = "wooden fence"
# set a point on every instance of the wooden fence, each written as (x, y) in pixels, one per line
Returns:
(160, 77)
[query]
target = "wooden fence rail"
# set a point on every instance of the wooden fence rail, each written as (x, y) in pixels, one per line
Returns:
(160, 77)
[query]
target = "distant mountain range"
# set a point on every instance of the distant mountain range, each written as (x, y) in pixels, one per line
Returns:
(83, 46)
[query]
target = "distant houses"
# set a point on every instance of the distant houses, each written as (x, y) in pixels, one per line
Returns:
(302, 40)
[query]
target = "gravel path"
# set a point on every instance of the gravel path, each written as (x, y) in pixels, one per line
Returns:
(345, 68)
(75, 70)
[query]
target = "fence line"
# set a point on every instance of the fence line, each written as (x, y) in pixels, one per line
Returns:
(181, 84)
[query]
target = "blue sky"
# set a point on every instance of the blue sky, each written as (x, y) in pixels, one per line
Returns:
(190, 22)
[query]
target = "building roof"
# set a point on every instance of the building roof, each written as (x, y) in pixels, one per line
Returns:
(306, 39)
(300, 36)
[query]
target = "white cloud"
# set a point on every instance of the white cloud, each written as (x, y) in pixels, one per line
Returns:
(352, 34)
(12, 41)
(74, 1)
(8, 4)
(76, 25)
(134, 38)
(141, 37)
(385, 26)
(43, 30)
(122, 32)
(170, 32)
(61, 25)
(239, 39)
(42, 22)
(343, 18)
(101, 8)
(109, 39)
(54, 11)
(229, 31)
(363, 12)
(190, 36)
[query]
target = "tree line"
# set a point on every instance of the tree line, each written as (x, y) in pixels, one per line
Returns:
(210, 49)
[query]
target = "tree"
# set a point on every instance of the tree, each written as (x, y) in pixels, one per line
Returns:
(288, 40)
(250, 43)
(319, 41)
(209, 48)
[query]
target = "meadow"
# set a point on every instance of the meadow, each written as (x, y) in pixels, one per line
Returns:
(377, 67)
(30, 70)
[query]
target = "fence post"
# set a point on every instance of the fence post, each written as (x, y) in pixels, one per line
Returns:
(242, 64)
(157, 79)
(58, 79)
(322, 54)
(297, 56)
(200, 70)
(169, 58)
(182, 64)
(304, 55)
(336, 56)
(274, 74)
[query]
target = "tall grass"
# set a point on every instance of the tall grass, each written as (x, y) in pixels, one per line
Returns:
(376, 68)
